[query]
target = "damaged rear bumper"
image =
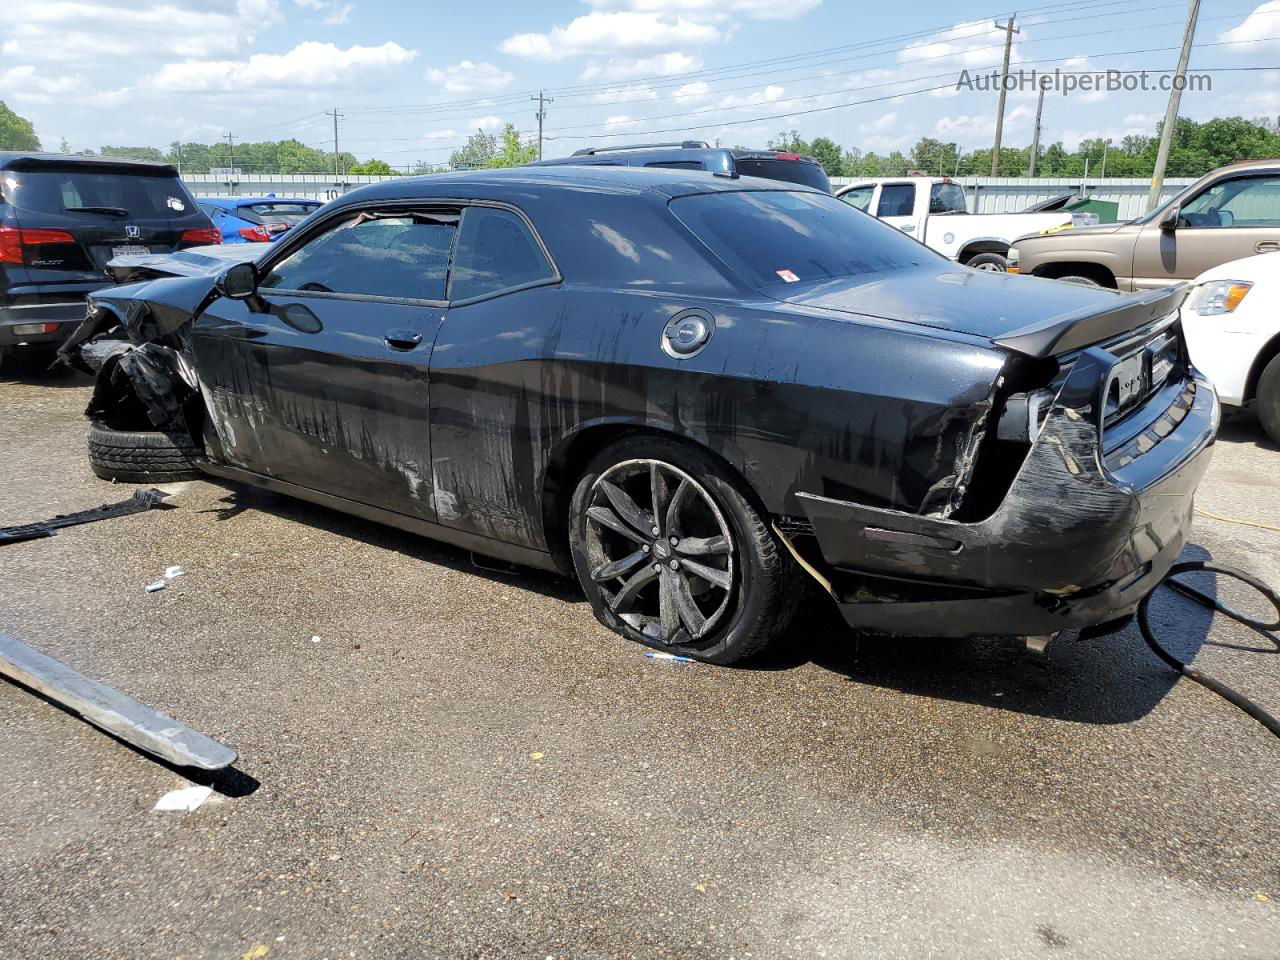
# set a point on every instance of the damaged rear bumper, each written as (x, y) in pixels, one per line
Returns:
(1091, 523)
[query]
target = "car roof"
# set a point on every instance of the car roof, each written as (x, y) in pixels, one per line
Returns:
(230, 203)
(641, 153)
(13, 159)
(516, 182)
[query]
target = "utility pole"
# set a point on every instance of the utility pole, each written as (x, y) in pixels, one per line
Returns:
(542, 115)
(1035, 137)
(231, 141)
(1171, 112)
(1009, 31)
(1106, 145)
(337, 172)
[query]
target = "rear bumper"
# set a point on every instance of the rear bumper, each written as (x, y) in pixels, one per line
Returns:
(13, 320)
(1082, 535)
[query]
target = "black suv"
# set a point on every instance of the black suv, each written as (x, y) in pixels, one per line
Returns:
(63, 218)
(699, 155)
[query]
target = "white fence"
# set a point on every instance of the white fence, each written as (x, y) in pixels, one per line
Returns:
(986, 194)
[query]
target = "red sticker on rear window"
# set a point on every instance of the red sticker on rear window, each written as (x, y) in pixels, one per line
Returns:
(788, 276)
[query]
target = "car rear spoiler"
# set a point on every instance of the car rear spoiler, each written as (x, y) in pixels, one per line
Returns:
(1080, 328)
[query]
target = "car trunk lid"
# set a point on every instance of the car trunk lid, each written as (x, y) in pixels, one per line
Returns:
(1029, 315)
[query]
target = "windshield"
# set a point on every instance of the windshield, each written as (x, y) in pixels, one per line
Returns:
(788, 171)
(774, 237)
(290, 213)
(118, 194)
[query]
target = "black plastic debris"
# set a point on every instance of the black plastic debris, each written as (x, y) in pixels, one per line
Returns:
(141, 501)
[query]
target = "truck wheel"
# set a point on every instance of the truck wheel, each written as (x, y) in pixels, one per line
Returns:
(142, 456)
(671, 554)
(1268, 399)
(989, 262)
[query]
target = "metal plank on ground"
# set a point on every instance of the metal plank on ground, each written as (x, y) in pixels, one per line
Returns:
(133, 722)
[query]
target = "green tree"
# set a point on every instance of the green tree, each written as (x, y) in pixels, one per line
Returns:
(935, 157)
(133, 153)
(372, 168)
(16, 133)
(480, 149)
(512, 152)
(827, 152)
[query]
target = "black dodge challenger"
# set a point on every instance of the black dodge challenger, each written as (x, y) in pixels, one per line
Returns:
(692, 391)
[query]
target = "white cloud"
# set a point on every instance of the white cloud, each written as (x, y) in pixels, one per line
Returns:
(627, 68)
(621, 120)
(600, 31)
(331, 12)
(1082, 64)
(467, 76)
(886, 122)
(970, 44)
(1262, 24)
(756, 98)
(979, 129)
(485, 123)
(75, 33)
(627, 94)
(692, 92)
(26, 84)
(309, 64)
(713, 9)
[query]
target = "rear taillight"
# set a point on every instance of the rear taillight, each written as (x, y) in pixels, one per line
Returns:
(794, 157)
(199, 238)
(14, 240)
(255, 234)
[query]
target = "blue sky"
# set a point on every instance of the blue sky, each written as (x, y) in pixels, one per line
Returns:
(414, 78)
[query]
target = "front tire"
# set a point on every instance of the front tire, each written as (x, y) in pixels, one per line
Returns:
(989, 262)
(142, 456)
(710, 583)
(1268, 399)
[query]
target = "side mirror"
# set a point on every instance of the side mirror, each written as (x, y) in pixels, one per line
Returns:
(1169, 222)
(238, 282)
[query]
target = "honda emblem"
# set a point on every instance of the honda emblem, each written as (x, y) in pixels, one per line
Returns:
(132, 232)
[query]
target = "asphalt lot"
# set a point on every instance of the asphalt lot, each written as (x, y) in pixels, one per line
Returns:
(466, 765)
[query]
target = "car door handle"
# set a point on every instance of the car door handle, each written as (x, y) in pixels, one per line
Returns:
(1267, 246)
(402, 339)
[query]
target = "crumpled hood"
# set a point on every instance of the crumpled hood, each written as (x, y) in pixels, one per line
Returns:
(192, 262)
(950, 297)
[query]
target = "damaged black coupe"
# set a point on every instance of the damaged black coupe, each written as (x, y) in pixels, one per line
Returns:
(691, 391)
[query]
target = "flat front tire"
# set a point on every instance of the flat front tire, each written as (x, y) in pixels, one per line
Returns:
(142, 456)
(672, 554)
(1268, 399)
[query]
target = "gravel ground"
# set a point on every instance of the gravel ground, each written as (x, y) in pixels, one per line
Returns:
(466, 765)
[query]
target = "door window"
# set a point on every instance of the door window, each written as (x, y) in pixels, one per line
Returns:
(495, 252)
(896, 200)
(947, 198)
(859, 197)
(400, 255)
(1243, 202)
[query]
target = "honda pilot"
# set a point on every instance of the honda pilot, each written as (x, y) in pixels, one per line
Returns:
(62, 219)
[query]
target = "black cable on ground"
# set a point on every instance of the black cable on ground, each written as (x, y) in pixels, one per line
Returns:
(1221, 689)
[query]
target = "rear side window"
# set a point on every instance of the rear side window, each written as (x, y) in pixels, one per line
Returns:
(788, 171)
(405, 256)
(859, 197)
(777, 237)
(495, 252)
(896, 200)
(82, 191)
(947, 198)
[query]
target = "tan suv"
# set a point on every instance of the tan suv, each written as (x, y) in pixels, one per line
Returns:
(1230, 213)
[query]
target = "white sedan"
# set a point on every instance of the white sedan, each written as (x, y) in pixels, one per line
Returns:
(1232, 325)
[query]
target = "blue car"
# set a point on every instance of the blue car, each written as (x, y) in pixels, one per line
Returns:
(256, 219)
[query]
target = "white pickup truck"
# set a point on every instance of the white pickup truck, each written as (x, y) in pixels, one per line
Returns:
(933, 210)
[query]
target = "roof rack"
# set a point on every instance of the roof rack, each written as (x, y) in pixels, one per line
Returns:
(683, 145)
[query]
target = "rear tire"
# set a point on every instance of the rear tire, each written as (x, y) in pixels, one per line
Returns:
(989, 262)
(657, 597)
(1268, 399)
(142, 456)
